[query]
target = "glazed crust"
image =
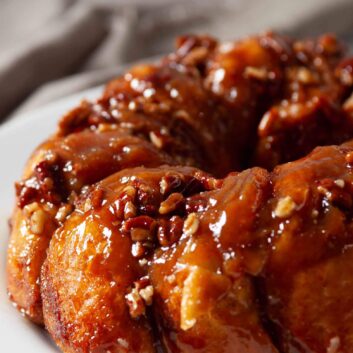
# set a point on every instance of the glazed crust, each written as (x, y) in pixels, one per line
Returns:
(307, 274)
(207, 258)
(101, 242)
(68, 164)
(170, 259)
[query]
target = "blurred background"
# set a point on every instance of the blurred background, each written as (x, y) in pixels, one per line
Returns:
(52, 48)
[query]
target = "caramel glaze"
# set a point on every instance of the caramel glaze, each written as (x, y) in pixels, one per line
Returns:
(108, 267)
(206, 254)
(238, 237)
(68, 164)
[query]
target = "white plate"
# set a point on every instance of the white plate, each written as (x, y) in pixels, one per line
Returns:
(17, 141)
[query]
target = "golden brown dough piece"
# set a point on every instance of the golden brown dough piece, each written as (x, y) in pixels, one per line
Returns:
(57, 170)
(213, 266)
(110, 248)
(218, 260)
(307, 276)
(287, 96)
(200, 299)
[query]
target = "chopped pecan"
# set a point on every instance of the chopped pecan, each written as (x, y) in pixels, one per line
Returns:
(173, 202)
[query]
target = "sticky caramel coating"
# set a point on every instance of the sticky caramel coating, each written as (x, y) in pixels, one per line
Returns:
(307, 275)
(224, 261)
(216, 263)
(55, 173)
(90, 314)
(98, 245)
(203, 296)
(288, 96)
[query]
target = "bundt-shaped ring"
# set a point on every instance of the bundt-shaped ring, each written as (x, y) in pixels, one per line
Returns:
(132, 235)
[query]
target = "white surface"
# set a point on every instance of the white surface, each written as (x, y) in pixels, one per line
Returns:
(17, 140)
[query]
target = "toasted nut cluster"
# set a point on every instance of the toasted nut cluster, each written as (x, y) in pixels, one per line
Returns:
(37, 216)
(31, 208)
(124, 206)
(156, 217)
(148, 199)
(170, 230)
(170, 183)
(173, 202)
(46, 183)
(197, 203)
(140, 296)
(135, 303)
(142, 230)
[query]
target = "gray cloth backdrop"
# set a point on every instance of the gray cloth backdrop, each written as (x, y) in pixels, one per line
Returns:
(51, 48)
